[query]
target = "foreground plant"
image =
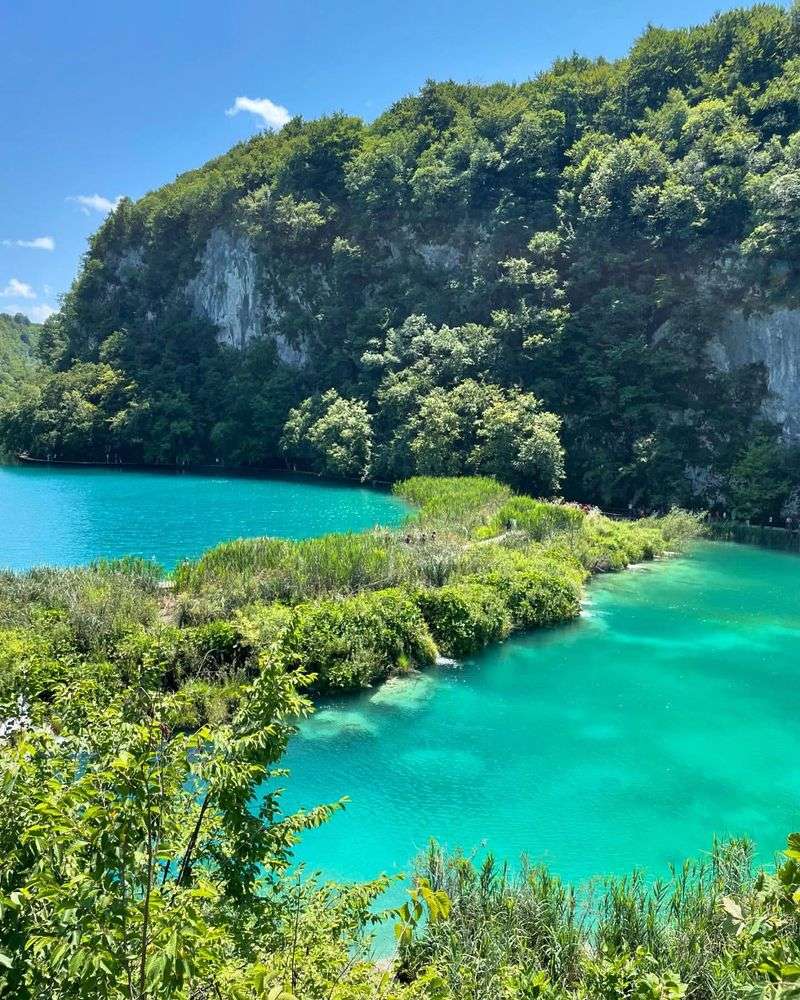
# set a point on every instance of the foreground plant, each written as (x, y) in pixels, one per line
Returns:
(134, 863)
(715, 930)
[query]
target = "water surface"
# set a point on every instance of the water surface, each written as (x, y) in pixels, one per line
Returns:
(667, 714)
(66, 516)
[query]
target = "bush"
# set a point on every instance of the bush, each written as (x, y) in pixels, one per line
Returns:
(465, 617)
(346, 644)
(679, 527)
(202, 702)
(263, 626)
(44, 678)
(536, 598)
(29, 669)
(170, 656)
(604, 545)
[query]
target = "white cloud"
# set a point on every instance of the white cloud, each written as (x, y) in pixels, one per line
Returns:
(16, 289)
(274, 116)
(38, 243)
(36, 313)
(95, 203)
(40, 313)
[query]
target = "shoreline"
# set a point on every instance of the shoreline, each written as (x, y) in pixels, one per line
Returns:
(202, 469)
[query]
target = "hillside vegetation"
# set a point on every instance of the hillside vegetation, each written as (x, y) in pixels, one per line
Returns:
(18, 340)
(510, 280)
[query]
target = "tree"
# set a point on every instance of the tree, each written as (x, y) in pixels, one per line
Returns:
(758, 481)
(134, 866)
(519, 444)
(330, 434)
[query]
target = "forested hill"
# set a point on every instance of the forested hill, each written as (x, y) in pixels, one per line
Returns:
(585, 281)
(18, 338)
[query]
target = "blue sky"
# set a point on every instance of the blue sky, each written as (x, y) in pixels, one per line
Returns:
(104, 99)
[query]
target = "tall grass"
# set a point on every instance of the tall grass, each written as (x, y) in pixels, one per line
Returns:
(247, 571)
(538, 519)
(453, 504)
(506, 930)
(96, 603)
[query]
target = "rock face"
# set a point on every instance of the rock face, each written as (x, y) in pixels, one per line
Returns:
(771, 339)
(228, 290)
(231, 291)
(441, 255)
(225, 290)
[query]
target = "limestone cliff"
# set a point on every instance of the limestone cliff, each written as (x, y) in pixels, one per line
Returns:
(229, 291)
(773, 340)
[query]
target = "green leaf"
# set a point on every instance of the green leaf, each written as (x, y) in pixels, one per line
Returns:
(793, 848)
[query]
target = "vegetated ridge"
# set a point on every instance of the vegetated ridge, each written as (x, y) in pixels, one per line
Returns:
(18, 340)
(584, 282)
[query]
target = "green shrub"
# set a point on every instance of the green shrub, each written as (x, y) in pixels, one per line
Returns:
(348, 643)
(613, 545)
(30, 668)
(465, 617)
(679, 527)
(602, 545)
(536, 598)
(263, 626)
(203, 702)
(42, 673)
(170, 656)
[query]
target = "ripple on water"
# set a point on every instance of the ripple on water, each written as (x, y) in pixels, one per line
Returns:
(441, 763)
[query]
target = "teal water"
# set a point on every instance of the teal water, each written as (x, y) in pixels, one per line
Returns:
(68, 516)
(667, 714)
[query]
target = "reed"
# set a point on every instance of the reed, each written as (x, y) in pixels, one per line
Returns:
(247, 571)
(97, 603)
(511, 933)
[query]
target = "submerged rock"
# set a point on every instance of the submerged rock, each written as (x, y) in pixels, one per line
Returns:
(331, 723)
(404, 692)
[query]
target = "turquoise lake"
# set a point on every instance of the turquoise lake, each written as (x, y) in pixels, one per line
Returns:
(666, 714)
(67, 516)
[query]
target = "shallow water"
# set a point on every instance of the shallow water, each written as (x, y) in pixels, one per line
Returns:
(667, 714)
(65, 516)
